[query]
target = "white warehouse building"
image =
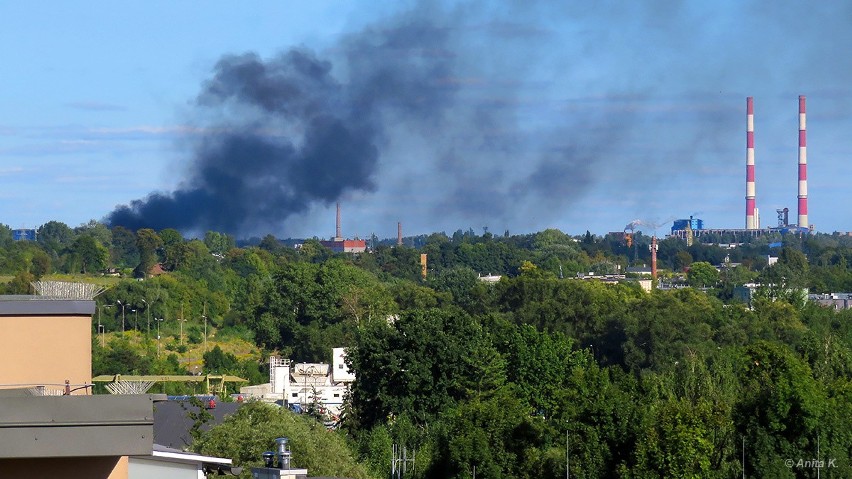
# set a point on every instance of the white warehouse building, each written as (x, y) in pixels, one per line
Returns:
(304, 384)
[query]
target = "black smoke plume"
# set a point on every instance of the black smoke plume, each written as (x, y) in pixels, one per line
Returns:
(290, 134)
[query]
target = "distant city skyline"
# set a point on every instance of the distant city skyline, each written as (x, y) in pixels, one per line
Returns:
(257, 118)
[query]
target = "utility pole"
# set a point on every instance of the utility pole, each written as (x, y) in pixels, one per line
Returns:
(181, 320)
(158, 320)
(148, 312)
(204, 316)
(101, 326)
(567, 461)
(122, 313)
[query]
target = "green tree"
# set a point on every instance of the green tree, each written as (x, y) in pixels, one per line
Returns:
(55, 236)
(538, 362)
(220, 362)
(96, 230)
(677, 442)
(218, 243)
(174, 249)
(147, 242)
(781, 411)
(702, 274)
(91, 254)
(124, 252)
(119, 358)
(464, 286)
(250, 431)
(21, 284)
(418, 366)
(41, 264)
(681, 260)
(496, 436)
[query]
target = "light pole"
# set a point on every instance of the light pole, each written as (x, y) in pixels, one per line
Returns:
(205, 332)
(148, 312)
(181, 320)
(135, 319)
(101, 326)
(122, 313)
(158, 320)
(204, 315)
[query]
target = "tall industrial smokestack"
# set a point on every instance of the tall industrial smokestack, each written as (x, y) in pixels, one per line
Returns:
(752, 221)
(654, 257)
(803, 166)
(338, 235)
(399, 233)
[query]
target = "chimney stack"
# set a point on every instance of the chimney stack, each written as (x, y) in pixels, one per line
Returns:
(654, 257)
(752, 221)
(399, 233)
(803, 166)
(338, 235)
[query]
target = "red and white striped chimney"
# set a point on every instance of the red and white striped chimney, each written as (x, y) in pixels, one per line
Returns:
(752, 221)
(803, 166)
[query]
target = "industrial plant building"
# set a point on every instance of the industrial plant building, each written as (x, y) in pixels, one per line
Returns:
(340, 245)
(304, 385)
(693, 227)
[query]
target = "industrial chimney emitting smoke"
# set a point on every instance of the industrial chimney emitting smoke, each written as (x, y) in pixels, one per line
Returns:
(803, 166)
(752, 220)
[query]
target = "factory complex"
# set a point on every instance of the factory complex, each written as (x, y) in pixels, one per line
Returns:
(693, 227)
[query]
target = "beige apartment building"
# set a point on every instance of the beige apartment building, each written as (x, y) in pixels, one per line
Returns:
(50, 424)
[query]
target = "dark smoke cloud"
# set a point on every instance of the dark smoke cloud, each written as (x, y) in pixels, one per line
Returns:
(291, 134)
(244, 175)
(483, 114)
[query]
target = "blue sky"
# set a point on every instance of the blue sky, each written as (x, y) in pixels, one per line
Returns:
(517, 116)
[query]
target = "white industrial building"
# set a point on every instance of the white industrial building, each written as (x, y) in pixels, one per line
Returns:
(305, 384)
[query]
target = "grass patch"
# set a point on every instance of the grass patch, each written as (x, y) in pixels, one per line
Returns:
(105, 281)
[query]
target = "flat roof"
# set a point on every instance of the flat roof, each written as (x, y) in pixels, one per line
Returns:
(76, 426)
(107, 378)
(21, 305)
(176, 455)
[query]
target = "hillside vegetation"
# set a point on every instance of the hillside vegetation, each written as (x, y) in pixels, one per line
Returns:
(499, 378)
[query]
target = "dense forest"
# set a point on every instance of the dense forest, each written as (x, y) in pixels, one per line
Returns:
(520, 378)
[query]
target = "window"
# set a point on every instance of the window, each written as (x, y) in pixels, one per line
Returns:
(337, 395)
(295, 395)
(339, 366)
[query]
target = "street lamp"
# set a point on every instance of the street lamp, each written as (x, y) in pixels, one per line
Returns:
(204, 315)
(148, 312)
(101, 328)
(122, 313)
(135, 319)
(181, 320)
(205, 332)
(158, 320)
